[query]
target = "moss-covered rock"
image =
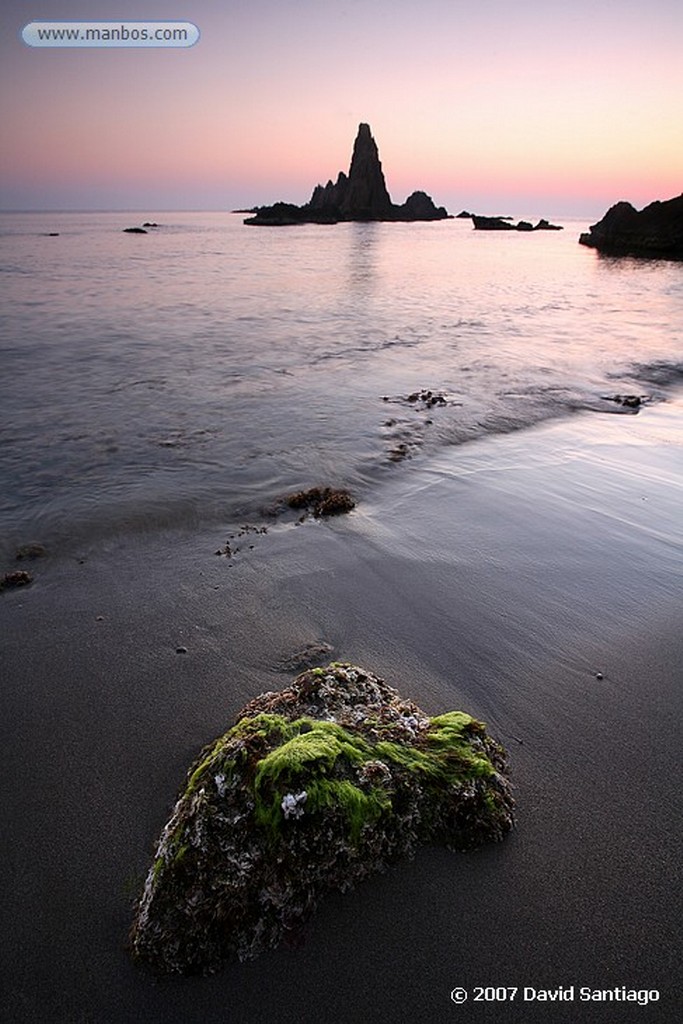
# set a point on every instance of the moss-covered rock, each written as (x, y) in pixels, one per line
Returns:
(315, 787)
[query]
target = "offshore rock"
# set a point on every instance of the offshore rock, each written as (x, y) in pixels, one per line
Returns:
(657, 230)
(360, 195)
(283, 214)
(544, 225)
(366, 196)
(492, 223)
(420, 206)
(314, 788)
(505, 224)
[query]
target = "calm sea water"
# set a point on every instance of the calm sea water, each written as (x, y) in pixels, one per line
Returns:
(199, 372)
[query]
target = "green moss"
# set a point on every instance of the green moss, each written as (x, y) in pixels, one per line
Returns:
(205, 763)
(450, 736)
(312, 744)
(180, 853)
(323, 758)
(446, 756)
(263, 725)
(304, 761)
(452, 723)
(359, 808)
(491, 803)
(216, 759)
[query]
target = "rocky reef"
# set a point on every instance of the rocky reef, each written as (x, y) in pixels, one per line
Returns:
(314, 788)
(360, 195)
(505, 224)
(656, 230)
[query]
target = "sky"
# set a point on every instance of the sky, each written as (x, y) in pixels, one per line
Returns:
(498, 106)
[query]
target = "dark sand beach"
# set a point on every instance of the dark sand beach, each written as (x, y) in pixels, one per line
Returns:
(532, 580)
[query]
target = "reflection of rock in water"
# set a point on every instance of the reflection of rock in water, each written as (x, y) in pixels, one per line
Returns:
(315, 788)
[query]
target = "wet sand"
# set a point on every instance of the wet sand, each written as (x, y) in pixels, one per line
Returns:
(501, 579)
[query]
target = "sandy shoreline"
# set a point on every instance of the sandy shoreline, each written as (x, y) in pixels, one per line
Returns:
(499, 578)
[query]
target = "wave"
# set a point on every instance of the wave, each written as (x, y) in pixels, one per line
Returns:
(661, 372)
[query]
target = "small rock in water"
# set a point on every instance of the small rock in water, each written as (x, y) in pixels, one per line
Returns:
(426, 397)
(309, 656)
(322, 501)
(15, 579)
(400, 452)
(30, 551)
(628, 401)
(181, 650)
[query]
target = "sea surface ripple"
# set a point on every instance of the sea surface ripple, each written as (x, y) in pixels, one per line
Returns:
(198, 372)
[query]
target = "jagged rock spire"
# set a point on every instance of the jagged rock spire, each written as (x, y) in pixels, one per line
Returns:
(366, 196)
(362, 195)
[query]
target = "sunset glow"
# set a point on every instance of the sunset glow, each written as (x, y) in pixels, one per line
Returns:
(483, 104)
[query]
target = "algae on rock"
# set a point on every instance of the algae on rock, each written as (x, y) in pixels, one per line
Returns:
(315, 787)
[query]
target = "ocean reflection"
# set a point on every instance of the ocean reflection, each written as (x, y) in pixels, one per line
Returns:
(362, 257)
(200, 371)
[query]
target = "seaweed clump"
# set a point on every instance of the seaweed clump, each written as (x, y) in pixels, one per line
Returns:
(316, 787)
(322, 501)
(12, 580)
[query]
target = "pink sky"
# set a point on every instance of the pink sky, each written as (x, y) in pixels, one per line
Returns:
(533, 107)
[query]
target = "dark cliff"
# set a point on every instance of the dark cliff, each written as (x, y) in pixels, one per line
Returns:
(657, 230)
(362, 195)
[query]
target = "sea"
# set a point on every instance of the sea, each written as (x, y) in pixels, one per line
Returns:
(197, 373)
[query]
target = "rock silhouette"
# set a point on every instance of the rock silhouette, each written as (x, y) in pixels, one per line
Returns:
(360, 195)
(505, 224)
(657, 230)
